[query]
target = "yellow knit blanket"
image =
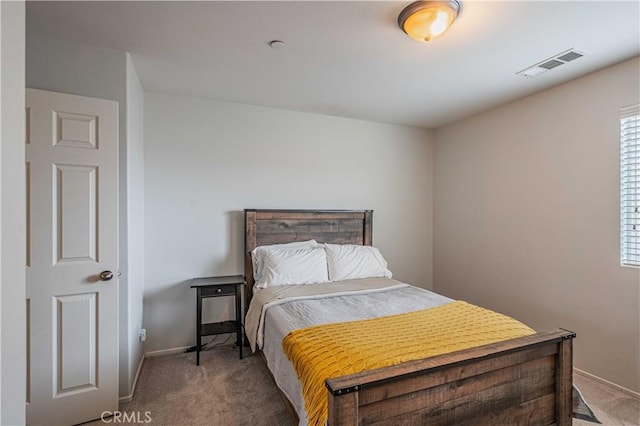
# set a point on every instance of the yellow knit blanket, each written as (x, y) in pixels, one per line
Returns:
(334, 350)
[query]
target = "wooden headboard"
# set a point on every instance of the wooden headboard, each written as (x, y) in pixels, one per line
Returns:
(263, 227)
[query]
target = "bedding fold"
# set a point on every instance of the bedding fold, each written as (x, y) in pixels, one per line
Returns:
(272, 296)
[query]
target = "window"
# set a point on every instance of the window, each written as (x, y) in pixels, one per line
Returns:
(630, 185)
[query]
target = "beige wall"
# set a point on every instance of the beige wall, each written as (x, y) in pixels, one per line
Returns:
(206, 161)
(526, 217)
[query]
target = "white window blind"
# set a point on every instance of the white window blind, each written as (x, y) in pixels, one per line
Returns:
(630, 185)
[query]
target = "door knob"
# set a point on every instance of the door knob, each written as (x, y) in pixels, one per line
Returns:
(106, 275)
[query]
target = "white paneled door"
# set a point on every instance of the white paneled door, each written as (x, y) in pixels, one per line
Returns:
(72, 258)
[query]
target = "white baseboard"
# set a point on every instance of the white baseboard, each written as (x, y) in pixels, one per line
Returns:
(167, 351)
(129, 397)
(182, 349)
(607, 383)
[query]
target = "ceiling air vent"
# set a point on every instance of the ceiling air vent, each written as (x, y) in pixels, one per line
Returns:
(550, 63)
(570, 56)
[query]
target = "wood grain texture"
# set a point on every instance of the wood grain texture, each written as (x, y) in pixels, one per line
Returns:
(265, 227)
(344, 410)
(564, 383)
(443, 376)
(468, 398)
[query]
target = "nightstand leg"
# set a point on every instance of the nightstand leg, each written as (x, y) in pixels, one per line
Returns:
(198, 322)
(239, 318)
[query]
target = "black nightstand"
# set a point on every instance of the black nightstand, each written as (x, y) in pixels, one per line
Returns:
(218, 287)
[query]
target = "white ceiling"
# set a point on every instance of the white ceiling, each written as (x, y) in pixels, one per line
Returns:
(348, 59)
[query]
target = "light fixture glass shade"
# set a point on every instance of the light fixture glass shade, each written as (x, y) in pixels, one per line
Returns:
(425, 20)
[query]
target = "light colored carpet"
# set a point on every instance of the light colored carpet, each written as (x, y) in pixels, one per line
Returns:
(611, 406)
(225, 390)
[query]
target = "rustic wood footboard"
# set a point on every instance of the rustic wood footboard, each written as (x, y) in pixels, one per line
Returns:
(524, 381)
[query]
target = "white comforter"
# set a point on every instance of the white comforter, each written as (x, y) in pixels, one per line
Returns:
(272, 296)
(275, 312)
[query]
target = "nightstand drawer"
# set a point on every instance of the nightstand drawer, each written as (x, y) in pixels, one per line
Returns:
(218, 290)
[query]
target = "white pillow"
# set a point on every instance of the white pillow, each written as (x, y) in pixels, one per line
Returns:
(258, 253)
(293, 266)
(348, 262)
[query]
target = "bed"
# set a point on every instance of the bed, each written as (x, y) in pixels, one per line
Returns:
(522, 380)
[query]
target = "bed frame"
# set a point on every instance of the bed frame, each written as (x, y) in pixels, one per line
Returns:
(526, 380)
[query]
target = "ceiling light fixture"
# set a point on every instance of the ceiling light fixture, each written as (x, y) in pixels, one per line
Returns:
(426, 20)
